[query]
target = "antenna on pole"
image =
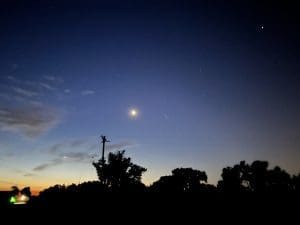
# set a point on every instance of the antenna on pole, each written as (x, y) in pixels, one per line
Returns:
(104, 140)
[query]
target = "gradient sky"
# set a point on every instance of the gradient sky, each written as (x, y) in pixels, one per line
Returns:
(215, 82)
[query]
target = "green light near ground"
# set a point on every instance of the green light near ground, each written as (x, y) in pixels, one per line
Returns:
(12, 200)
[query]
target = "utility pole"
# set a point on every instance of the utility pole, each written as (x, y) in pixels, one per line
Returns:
(104, 140)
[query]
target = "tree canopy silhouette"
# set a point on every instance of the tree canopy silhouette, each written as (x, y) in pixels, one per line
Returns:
(119, 173)
(181, 180)
(255, 178)
(15, 190)
(296, 182)
(26, 191)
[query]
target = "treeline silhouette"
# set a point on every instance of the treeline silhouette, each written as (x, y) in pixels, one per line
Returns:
(118, 175)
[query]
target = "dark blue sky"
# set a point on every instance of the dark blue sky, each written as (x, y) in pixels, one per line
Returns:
(214, 83)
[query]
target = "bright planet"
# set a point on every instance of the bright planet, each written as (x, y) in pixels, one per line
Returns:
(133, 113)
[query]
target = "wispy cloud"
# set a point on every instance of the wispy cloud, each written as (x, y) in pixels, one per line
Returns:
(66, 158)
(29, 121)
(80, 156)
(23, 82)
(88, 144)
(44, 166)
(120, 145)
(29, 175)
(56, 147)
(87, 92)
(23, 172)
(61, 146)
(47, 86)
(53, 79)
(24, 92)
(12, 78)
(77, 143)
(67, 91)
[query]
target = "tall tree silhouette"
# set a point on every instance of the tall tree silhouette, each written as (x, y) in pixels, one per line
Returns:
(119, 173)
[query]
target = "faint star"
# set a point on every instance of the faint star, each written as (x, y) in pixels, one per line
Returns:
(261, 27)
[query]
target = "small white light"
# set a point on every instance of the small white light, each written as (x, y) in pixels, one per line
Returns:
(23, 198)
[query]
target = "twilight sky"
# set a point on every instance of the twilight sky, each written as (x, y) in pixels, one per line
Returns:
(214, 82)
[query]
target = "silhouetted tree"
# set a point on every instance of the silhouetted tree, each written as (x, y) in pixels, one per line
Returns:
(72, 194)
(166, 184)
(296, 183)
(279, 181)
(258, 176)
(181, 180)
(15, 190)
(54, 190)
(119, 173)
(26, 191)
(235, 179)
(255, 178)
(189, 178)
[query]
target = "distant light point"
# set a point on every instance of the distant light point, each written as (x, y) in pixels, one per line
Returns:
(261, 27)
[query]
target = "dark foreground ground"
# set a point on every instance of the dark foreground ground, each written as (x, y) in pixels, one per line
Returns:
(139, 203)
(165, 209)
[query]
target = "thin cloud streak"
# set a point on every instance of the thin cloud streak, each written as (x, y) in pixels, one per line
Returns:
(47, 86)
(77, 157)
(23, 92)
(61, 146)
(70, 157)
(53, 79)
(87, 92)
(29, 175)
(120, 146)
(47, 165)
